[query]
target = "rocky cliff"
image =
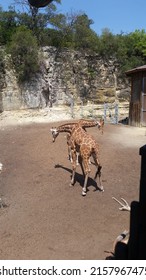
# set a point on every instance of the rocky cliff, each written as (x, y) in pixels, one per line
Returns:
(66, 77)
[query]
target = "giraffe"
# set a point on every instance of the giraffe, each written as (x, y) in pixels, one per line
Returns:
(85, 124)
(84, 143)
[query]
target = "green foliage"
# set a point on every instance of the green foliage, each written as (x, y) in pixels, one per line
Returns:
(82, 31)
(91, 72)
(8, 25)
(2, 71)
(24, 52)
(138, 38)
(128, 49)
(47, 27)
(108, 44)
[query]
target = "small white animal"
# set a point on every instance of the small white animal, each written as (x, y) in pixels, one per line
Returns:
(1, 166)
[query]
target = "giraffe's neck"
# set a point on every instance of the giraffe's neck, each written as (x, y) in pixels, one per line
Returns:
(66, 128)
(71, 128)
(81, 123)
(84, 123)
(88, 123)
(62, 128)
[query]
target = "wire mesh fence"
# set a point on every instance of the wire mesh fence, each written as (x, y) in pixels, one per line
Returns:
(110, 112)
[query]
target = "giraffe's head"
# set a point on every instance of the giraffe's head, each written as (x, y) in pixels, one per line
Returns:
(55, 133)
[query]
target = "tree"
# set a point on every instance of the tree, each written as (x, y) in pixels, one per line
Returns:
(34, 19)
(8, 25)
(139, 42)
(130, 49)
(84, 36)
(108, 43)
(76, 31)
(24, 53)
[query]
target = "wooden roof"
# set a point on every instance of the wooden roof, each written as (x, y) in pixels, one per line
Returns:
(137, 69)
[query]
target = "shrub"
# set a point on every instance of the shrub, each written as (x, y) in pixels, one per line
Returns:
(24, 53)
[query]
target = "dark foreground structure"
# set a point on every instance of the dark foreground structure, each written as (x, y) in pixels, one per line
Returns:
(39, 3)
(135, 249)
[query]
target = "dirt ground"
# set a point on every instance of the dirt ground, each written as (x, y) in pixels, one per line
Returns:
(45, 218)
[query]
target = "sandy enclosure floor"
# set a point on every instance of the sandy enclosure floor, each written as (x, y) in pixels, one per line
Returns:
(44, 218)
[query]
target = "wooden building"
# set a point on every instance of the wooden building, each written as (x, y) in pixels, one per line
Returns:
(137, 109)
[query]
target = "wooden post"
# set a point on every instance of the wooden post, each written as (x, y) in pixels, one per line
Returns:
(142, 207)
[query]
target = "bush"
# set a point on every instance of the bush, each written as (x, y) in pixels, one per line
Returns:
(24, 53)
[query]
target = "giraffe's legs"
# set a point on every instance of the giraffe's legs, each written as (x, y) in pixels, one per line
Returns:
(99, 177)
(73, 154)
(84, 190)
(77, 158)
(86, 172)
(72, 178)
(98, 172)
(71, 146)
(69, 154)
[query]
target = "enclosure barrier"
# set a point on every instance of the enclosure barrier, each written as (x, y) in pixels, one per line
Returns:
(110, 112)
(136, 247)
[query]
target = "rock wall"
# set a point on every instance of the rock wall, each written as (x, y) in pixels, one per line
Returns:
(66, 77)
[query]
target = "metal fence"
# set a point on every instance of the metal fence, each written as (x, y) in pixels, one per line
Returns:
(110, 112)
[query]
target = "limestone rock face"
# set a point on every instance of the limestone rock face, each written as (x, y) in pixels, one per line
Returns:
(11, 92)
(66, 77)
